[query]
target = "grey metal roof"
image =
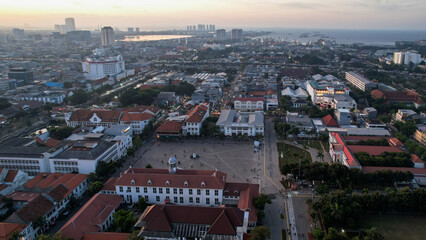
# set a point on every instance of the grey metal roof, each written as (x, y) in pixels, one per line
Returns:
(228, 117)
(23, 152)
(80, 151)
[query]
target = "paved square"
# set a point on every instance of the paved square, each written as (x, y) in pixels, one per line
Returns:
(236, 159)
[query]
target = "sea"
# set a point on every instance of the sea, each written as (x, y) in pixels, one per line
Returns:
(365, 37)
(144, 38)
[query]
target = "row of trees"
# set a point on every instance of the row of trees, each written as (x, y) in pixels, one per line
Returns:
(259, 203)
(389, 159)
(333, 234)
(342, 210)
(339, 175)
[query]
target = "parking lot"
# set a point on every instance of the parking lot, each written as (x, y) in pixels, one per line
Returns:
(236, 159)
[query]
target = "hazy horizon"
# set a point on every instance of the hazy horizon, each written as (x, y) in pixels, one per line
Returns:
(169, 14)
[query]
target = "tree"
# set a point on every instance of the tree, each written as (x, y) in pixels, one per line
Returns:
(72, 203)
(57, 236)
(134, 236)
(137, 142)
(79, 97)
(318, 234)
(260, 233)
(67, 84)
(373, 234)
(334, 235)
(124, 220)
(16, 236)
(95, 187)
(60, 133)
(40, 223)
(261, 201)
(148, 166)
(4, 103)
(142, 204)
(320, 155)
(103, 170)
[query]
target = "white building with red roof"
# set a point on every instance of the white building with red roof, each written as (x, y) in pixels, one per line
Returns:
(196, 116)
(249, 104)
(11, 180)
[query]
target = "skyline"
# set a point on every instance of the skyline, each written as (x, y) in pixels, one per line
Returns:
(153, 15)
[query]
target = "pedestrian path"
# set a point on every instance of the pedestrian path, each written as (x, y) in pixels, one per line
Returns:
(293, 229)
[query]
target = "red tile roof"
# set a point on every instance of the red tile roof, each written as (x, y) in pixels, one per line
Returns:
(39, 206)
(51, 180)
(128, 117)
(161, 217)
(197, 114)
(372, 150)
(362, 138)
(159, 177)
(143, 108)
(397, 96)
(143, 87)
(110, 184)
(7, 229)
(329, 121)
(52, 142)
(23, 196)
(59, 193)
(246, 193)
(94, 213)
(249, 99)
(10, 177)
(416, 159)
(104, 115)
(170, 127)
(105, 236)
(395, 142)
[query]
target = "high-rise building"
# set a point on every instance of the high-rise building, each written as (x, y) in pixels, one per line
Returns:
(69, 24)
(188, 28)
(130, 30)
(201, 27)
(97, 68)
(237, 34)
(221, 35)
(79, 36)
(212, 28)
(18, 32)
(107, 36)
(22, 75)
(360, 81)
(412, 57)
(398, 57)
(137, 30)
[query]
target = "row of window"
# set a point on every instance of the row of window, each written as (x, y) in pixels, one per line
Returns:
(65, 163)
(19, 161)
(180, 199)
(167, 190)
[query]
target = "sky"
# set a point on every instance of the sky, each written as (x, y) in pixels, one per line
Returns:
(163, 14)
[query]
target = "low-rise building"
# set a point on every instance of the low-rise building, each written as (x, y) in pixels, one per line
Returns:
(405, 114)
(196, 116)
(343, 116)
(95, 216)
(360, 81)
(248, 104)
(232, 123)
(11, 180)
(420, 135)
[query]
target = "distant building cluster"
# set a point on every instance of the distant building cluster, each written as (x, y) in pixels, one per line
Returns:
(201, 28)
(407, 58)
(67, 27)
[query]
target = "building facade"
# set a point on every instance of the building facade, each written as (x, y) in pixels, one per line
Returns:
(248, 104)
(97, 68)
(232, 123)
(107, 36)
(360, 81)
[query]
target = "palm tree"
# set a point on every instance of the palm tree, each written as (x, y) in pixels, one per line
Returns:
(305, 147)
(320, 155)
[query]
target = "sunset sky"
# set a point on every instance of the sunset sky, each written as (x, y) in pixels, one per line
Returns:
(152, 14)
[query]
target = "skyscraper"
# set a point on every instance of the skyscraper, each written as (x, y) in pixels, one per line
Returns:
(130, 29)
(137, 30)
(221, 35)
(237, 34)
(107, 36)
(70, 24)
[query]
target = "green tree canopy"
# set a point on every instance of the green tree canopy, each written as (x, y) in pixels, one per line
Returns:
(79, 97)
(124, 220)
(260, 233)
(95, 187)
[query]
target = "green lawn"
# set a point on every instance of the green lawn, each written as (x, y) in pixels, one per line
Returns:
(311, 143)
(288, 153)
(395, 227)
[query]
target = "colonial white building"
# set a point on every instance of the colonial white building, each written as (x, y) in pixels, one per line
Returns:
(97, 68)
(196, 116)
(232, 123)
(248, 104)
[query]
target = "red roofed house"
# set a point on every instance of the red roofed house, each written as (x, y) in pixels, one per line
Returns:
(105, 236)
(105, 118)
(168, 221)
(138, 117)
(248, 103)
(170, 129)
(7, 229)
(329, 121)
(196, 117)
(398, 96)
(95, 216)
(11, 180)
(418, 163)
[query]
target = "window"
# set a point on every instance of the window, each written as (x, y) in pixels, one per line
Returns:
(190, 191)
(186, 183)
(207, 192)
(207, 200)
(154, 190)
(181, 200)
(157, 198)
(145, 190)
(197, 200)
(160, 190)
(167, 183)
(216, 201)
(167, 197)
(120, 189)
(174, 190)
(175, 199)
(191, 200)
(216, 192)
(203, 184)
(129, 189)
(180, 191)
(168, 190)
(146, 198)
(198, 191)
(137, 189)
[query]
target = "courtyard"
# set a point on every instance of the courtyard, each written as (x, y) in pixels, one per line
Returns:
(237, 159)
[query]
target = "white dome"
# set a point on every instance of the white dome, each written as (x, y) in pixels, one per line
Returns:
(172, 160)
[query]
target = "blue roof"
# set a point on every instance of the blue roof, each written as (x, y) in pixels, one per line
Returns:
(54, 84)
